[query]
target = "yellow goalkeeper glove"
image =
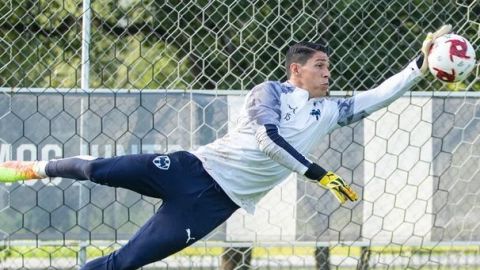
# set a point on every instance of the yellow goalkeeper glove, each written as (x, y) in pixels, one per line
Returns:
(428, 42)
(341, 190)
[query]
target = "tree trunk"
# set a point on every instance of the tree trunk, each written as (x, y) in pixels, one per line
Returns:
(322, 258)
(364, 258)
(238, 258)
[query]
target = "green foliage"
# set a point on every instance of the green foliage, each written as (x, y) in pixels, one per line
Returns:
(215, 44)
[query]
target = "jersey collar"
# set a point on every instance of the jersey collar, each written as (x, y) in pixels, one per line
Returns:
(299, 91)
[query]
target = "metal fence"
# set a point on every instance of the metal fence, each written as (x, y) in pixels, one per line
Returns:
(415, 164)
(224, 45)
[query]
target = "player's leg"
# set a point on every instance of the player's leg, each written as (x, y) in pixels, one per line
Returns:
(133, 172)
(163, 176)
(145, 173)
(130, 171)
(178, 223)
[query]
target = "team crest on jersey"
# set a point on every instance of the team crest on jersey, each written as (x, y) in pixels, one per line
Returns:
(316, 113)
(162, 162)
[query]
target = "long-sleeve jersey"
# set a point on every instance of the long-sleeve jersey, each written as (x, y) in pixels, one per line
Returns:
(278, 126)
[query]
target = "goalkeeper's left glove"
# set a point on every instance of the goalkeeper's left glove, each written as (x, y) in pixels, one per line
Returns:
(341, 190)
(427, 44)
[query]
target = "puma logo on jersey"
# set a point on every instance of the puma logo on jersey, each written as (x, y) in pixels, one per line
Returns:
(189, 236)
(162, 162)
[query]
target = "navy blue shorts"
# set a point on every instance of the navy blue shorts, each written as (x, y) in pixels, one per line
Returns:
(193, 203)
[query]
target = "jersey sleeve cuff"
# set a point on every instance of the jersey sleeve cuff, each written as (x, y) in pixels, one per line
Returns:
(419, 61)
(416, 64)
(315, 172)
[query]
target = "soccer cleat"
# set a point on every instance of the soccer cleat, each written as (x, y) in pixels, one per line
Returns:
(12, 171)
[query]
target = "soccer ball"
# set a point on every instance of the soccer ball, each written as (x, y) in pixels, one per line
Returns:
(451, 58)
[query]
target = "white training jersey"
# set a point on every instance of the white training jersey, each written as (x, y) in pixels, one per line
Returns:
(278, 126)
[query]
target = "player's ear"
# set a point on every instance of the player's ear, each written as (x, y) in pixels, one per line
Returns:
(294, 68)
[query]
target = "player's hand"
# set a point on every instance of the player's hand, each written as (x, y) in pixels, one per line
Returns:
(428, 42)
(341, 190)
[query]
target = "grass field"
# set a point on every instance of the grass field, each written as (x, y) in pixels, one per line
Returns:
(72, 251)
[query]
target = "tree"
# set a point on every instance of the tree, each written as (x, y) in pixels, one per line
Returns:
(213, 44)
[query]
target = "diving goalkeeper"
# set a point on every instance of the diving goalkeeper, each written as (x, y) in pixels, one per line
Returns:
(279, 124)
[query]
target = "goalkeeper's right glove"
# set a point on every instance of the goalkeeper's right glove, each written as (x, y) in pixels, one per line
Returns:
(427, 44)
(341, 190)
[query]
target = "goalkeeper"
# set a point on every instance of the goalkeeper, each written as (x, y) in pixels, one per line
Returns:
(279, 124)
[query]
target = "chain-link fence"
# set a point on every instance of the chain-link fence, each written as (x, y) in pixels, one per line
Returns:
(215, 44)
(158, 77)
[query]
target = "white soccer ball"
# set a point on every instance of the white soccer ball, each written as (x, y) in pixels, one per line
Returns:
(451, 58)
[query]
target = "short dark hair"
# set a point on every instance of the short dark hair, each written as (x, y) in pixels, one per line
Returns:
(302, 51)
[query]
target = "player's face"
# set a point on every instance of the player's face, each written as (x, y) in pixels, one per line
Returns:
(314, 74)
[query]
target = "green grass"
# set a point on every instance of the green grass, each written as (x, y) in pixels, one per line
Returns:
(258, 252)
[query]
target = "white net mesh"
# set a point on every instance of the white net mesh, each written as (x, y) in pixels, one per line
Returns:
(415, 163)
